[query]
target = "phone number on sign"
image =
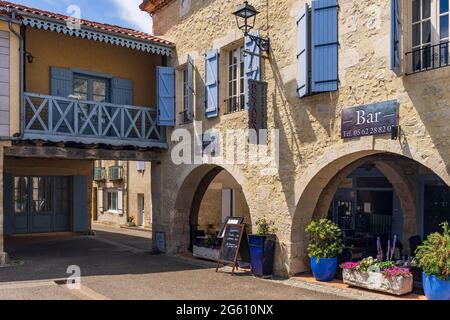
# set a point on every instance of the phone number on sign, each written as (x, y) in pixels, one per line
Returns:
(367, 131)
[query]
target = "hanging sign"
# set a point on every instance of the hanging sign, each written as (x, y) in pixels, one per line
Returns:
(257, 104)
(369, 120)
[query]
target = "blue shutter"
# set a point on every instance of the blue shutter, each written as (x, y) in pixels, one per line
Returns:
(166, 96)
(395, 36)
(303, 54)
(61, 84)
(7, 203)
(324, 38)
(190, 75)
(122, 91)
(252, 63)
(80, 200)
(212, 83)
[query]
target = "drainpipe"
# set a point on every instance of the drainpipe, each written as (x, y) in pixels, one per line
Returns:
(12, 20)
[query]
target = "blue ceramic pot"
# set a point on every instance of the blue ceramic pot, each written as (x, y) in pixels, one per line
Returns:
(325, 270)
(262, 253)
(435, 288)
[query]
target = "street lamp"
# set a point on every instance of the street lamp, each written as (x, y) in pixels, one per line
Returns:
(245, 20)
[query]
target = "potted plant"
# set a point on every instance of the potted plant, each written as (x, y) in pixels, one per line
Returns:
(433, 256)
(324, 247)
(262, 248)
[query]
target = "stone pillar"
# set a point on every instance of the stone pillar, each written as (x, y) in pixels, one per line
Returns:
(3, 254)
(157, 204)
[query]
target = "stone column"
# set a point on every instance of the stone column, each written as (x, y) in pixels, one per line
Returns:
(157, 212)
(3, 254)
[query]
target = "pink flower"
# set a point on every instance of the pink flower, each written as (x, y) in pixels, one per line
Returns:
(350, 265)
(396, 272)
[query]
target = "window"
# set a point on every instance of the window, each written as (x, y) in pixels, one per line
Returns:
(42, 194)
(113, 200)
(430, 34)
(185, 95)
(91, 88)
(235, 81)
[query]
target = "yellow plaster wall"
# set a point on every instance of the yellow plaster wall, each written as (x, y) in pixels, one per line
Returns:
(57, 50)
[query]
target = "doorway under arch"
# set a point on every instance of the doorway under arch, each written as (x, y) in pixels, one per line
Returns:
(371, 195)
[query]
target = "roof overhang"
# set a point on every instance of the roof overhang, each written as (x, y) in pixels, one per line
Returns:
(90, 33)
(151, 6)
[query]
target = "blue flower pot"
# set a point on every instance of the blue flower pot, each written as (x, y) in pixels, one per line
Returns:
(262, 252)
(435, 288)
(325, 270)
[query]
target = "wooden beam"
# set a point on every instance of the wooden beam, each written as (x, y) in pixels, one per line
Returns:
(80, 154)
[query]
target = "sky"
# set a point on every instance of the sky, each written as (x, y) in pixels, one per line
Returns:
(124, 13)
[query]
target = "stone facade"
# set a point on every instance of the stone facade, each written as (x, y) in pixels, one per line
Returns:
(311, 149)
(133, 184)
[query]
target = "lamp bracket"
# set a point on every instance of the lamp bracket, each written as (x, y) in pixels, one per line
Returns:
(262, 43)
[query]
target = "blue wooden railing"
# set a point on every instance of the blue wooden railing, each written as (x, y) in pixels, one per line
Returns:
(58, 119)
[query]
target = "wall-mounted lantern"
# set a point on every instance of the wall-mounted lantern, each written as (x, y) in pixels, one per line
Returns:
(245, 19)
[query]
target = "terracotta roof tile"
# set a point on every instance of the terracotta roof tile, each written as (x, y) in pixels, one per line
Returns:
(151, 6)
(97, 25)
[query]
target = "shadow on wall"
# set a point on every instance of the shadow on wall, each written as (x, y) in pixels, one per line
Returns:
(430, 97)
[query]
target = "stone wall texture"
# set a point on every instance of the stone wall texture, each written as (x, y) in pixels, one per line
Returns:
(311, 149)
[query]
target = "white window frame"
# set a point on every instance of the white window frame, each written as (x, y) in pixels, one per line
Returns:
(434, 18)
(109, 201)
(238, 93)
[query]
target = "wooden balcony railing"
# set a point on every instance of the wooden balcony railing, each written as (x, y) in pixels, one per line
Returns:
(58, 119)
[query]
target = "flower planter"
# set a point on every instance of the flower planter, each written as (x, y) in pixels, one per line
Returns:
(262, 252)
(325, 269)
(206, 253)
(378, 282)
(435, 288)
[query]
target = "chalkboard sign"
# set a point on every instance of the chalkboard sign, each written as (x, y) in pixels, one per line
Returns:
(229, 220)
(234, 242)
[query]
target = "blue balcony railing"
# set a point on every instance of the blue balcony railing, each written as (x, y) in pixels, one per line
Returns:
(58, 119)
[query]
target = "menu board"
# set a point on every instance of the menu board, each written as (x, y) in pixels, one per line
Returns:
(234, 241)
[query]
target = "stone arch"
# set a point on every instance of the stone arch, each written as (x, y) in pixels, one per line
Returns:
(190, 189)
(325, 173)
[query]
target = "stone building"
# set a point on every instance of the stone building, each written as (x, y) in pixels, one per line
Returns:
(122, 193)
(358, 93)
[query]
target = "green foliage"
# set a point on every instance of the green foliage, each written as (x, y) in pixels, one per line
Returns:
(433, 256)
(265, 227)
(366, 263)
(325, 239)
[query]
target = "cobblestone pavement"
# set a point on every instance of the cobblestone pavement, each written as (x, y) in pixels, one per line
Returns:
(117, 264)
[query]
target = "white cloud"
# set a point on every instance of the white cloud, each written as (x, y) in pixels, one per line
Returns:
(129, 11)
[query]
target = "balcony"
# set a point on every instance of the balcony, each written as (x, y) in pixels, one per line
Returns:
(58, 119)
(428, 58)
(99, 174)
(115, 173)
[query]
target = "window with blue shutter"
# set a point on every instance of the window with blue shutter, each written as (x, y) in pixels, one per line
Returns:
(80, 200)
(212, 83)
(190, 89)
(166, 96)
(61, 84)
(395, 36)
(324, 42)
(252, 63)
(303, 53)
(122, 91)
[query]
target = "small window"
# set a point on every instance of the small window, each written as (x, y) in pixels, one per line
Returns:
(185, 95)
(91, 88)
(235, 80)
(113, 200)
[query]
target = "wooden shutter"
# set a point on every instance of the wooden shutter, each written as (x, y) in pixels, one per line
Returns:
(212, 83)
(166, 96)
(396, 24)
(324, 38)
(190, 75)
(302, 53)
(100, 200)
(80, 199)
(4, 84)
(121, 91)
(120, 200)
(8, 185)
(252, 63)
(61, 82)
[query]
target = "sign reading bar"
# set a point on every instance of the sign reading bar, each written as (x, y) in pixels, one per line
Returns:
(257, 104)
(369, 120)
(235, 243)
